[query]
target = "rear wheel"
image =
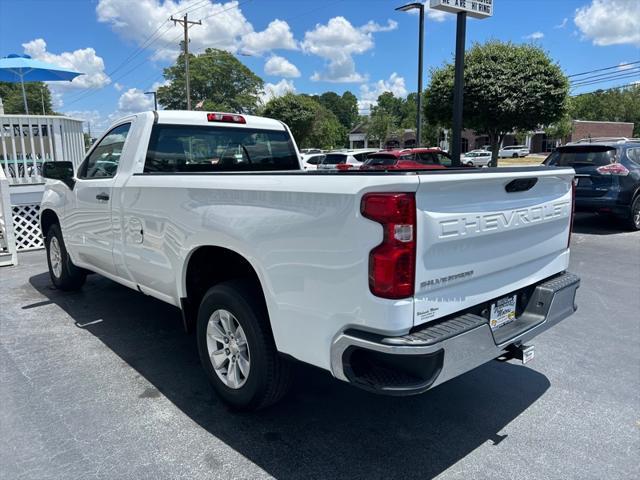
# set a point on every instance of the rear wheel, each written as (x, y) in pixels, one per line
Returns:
(237, 349)
(64, 274)
(633, 222)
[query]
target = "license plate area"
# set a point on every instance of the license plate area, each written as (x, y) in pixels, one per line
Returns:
(502, 312)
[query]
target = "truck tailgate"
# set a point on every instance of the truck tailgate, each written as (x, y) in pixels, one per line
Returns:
(481, 235)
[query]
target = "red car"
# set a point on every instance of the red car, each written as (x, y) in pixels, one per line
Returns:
(409, 159)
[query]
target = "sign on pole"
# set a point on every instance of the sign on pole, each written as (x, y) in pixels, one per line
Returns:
(473, 8)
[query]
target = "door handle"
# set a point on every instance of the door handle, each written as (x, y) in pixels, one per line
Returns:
(102, 196)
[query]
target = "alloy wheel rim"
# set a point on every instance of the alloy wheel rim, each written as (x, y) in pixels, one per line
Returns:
(55, 257)
(228, 349)
(636, 216)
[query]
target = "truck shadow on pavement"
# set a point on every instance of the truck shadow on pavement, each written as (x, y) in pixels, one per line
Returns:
(593, 224)
(323, 428)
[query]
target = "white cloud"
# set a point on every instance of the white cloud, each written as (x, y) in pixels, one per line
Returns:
(337, 42)
(373, 27)
(273, 90)
(281, 67)
(369, 93)
(562, 24)
(610, 22)
(437, 15)
(224, 26)
(276, 35)
(82, 60)
(118, 86)
(134, 100)
(432, 14)
(625, 66)
(534, 36)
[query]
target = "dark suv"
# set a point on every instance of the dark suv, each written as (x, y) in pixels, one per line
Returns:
(608, 176)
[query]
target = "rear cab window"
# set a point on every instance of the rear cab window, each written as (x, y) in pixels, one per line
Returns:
(205, 148)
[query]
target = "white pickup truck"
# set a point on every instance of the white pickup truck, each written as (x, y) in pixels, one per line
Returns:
(393, 281)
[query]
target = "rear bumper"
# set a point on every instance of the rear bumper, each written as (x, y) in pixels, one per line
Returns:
(442, 350)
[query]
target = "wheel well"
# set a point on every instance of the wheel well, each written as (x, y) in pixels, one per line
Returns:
(47, 219)
(207, 267)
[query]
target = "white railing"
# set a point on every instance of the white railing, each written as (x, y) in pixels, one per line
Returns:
(8, 250)
(26, 141)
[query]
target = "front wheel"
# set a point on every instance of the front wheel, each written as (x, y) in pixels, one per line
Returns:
(515, 155)
(64, 274)
(236, 347)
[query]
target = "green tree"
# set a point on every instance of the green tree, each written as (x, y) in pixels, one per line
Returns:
(11, 94)
(507, 87)
(390, 104)
(616, 105)
(311, 124)
(344, 107)
(327, 131)
(217, 78)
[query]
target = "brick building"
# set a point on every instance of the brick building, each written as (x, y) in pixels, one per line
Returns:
(585, 129)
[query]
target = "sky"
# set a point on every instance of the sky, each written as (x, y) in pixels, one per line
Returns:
(304, 46)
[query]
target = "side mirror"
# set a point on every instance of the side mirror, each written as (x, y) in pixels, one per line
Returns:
(62, 171)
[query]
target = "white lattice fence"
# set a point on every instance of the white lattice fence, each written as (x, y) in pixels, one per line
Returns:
(26, 225)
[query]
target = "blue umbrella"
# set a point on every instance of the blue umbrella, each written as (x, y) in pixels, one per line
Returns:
(22, 68)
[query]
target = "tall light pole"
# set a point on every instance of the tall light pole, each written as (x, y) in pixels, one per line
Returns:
(155, 99)
(420, 7)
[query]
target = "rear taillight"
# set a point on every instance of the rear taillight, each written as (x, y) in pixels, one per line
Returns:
(343, 166)
(574, 182)
(225, 117)
(392, 263)
(613, 169)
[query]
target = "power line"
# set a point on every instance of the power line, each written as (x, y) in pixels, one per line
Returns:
(632, 84)
(607, 75)
(618, 77)
(603, 69)
(92, 91)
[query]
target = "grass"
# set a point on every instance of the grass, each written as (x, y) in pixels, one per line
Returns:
(521, 162)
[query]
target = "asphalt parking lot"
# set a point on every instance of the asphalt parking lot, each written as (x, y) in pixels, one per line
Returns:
(104, 384)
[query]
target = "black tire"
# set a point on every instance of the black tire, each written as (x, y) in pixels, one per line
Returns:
(67, 276)
(269, 374)
(515, 155)
(633, 220)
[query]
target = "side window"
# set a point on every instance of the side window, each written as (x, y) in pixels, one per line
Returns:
(634, 155)
(105, 157)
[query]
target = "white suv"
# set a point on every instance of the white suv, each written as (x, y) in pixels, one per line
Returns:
(514, 151)
(348, 159)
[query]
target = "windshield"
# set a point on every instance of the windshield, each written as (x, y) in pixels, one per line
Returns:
(583, 156)
(334, 159)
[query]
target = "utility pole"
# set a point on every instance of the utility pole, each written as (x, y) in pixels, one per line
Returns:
(185, 22)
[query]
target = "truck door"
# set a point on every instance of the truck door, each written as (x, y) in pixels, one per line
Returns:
(89, 231)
